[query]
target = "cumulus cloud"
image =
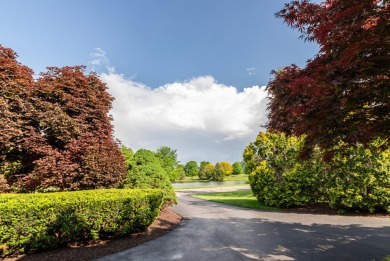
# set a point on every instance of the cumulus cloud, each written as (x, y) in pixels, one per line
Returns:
(201, 118)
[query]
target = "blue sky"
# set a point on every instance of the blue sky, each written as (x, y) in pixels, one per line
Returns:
(150, 52)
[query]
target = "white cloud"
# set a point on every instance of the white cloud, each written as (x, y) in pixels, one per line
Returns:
(251, 71)
(201, 118)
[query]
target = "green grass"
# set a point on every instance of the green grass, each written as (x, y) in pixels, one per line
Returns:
(240, 177)
(241, 198)
(195, 187)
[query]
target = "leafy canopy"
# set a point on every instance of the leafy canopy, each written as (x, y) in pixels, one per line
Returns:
(191, 168)
(343, 92)
(55, 131)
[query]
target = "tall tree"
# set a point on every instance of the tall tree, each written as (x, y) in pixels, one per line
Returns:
(202, 173)
(226, 167)
(56, 133)
(169, 162)
(237, 169)
(343, 93)
(16, 83)
(219, 172)
(191, 168)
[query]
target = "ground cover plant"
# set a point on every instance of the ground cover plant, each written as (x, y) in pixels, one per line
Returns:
(46, 220)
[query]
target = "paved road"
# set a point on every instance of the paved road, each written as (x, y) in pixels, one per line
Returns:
(213, 231)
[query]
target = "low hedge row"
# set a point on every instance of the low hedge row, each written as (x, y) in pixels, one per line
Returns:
(46, 220)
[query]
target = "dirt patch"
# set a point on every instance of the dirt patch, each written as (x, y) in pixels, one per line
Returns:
(167, 221)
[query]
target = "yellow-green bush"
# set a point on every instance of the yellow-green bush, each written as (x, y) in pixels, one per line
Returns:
(276, 176)
(360, 179)
(357, 178)
(39, 221)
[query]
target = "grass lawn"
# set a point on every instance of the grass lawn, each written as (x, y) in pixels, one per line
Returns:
(240, 177)
(206, 186)
(241, 198)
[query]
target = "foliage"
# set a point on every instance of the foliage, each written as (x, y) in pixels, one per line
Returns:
(209, 170)
(360, 180)
(342, 95)
(56, 133)
(226, 167)
(127, 154)
(276, 176)
(218, 174)
(180, 173)
(202, 173)
(40, 221)
(191, 168)
(16, 84)
(145, 172)
(237, 169)
(169, 162)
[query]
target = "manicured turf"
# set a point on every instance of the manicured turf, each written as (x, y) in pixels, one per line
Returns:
(241, 198)
(240, 177)
(208, 186)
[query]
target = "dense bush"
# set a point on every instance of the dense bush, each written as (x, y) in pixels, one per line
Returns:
(275, 175)
(145, 172)
(360, 180)
(39, 221)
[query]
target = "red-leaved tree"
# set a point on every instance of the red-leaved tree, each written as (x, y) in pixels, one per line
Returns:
(61, 138)
(343, 93)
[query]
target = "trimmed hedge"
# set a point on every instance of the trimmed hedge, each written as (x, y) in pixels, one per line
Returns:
(47, 220)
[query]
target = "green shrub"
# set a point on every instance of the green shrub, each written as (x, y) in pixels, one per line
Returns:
(39, 221)
(276, 176)
(359, 179)
(146, 172)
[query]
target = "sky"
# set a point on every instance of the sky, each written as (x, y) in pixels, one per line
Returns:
(187, 74)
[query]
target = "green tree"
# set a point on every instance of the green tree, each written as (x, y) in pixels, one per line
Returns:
(127, 154)
(180, 171)
(237, 169)
(219, 172)
(209, 170)
(226, 167)
(145, 171)
(202, 173)
(191, 169)
(169, 162)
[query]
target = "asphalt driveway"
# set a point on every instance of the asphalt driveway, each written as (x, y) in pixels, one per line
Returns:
(213, 231)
